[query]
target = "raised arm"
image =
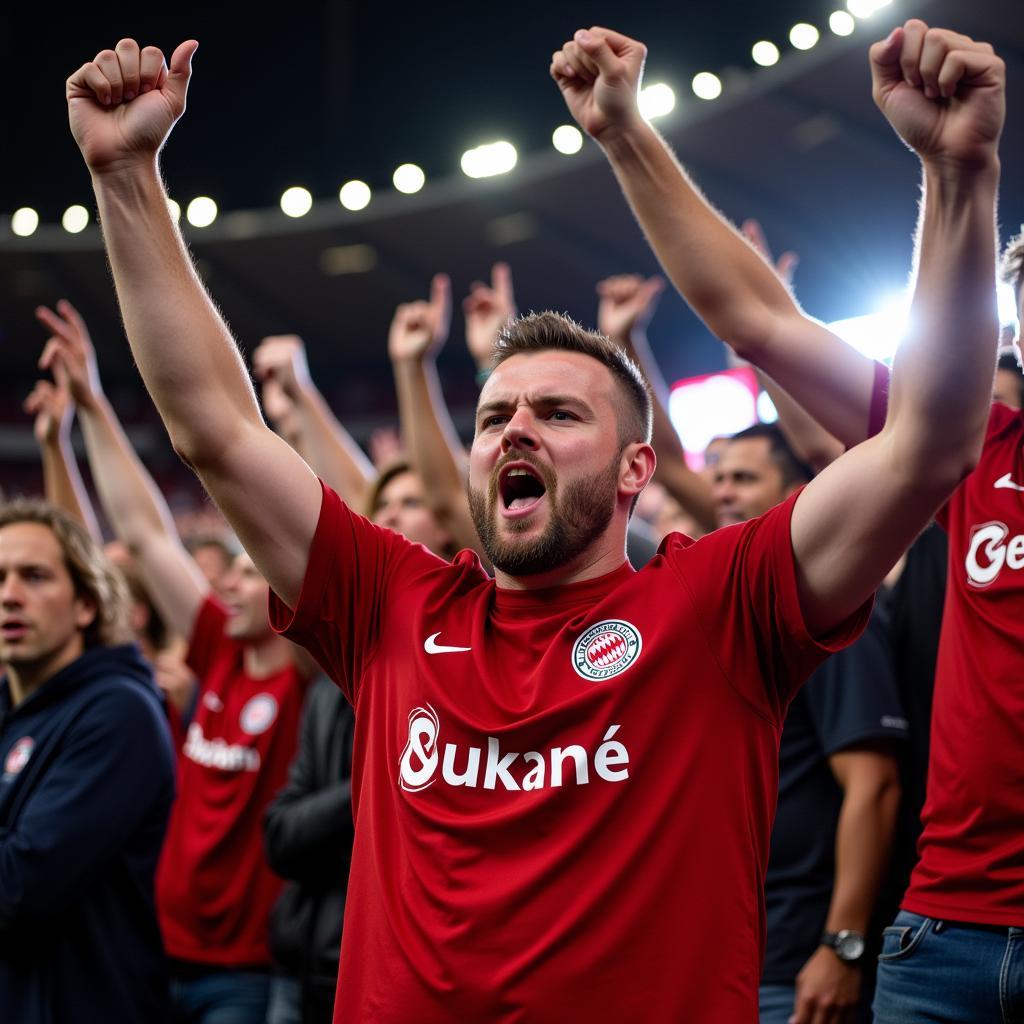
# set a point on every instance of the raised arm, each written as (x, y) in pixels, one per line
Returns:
(131, 500)
(322, 440)
(417, 333)
(626, 305)
(51, 405)
(726, 282)
(122, 106)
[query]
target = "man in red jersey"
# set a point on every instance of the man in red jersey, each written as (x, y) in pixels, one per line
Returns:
(950, 954)
(564, 776)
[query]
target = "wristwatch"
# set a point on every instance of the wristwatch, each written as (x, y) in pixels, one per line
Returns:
(848, 945)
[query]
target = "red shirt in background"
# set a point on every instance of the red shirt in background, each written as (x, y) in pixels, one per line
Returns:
(214, 888)
(564, 797)
(971, 865)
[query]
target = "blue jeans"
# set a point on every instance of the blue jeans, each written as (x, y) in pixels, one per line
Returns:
(775, 1003)
(221, 997)
(285, 1005)
(941, 972)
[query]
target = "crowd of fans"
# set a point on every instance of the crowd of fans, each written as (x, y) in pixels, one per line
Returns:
(179, 779)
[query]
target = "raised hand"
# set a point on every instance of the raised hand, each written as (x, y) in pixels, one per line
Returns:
(785, 266)
(281, 358)
(420, 329)
(70, 352)
(123, 103)
(627, 304)
(942, 92)
(599, 73)
(487, 310)
(385, 447)
(51, 405)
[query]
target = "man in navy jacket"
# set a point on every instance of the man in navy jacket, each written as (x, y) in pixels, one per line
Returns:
(86, 783)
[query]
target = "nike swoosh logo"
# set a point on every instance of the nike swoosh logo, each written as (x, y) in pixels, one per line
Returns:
(1005, 481)
(431, 646)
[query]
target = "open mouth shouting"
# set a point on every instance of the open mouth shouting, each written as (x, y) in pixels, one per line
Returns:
(521, 489)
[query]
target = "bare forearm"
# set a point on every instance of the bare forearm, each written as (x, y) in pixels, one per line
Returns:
(864, 835)
(63, 486)
(186, 355)
(810, 441)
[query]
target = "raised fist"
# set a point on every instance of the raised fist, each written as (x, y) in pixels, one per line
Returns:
(942, 92)
(282, 358)
(69, 351)
(599, 73)
(420, 329)
(124, 102)
(627, 304)
(487, 310)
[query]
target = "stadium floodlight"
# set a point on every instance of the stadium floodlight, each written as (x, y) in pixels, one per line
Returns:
(489, 159)
(24, 221)
(842, 23)
(706, 86)
(803, 36)
(296, 201)
(201, 212)
(567, 139)
(75, 219)
(408, 178)
(656, 100)
(175, 209)
(355, 195)
(765, 53)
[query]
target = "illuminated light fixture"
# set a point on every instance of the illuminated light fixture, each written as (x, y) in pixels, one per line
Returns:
(75, 219)
(175, 209)
(567, 139)
(355, 195)
(24, 221)
(711, 405)
(1007, 304)
(296, 201)
(862, 8)
(489, 159)
(408, 178)
(765, 53)
(707, 86)
(656, 101)
(877, 335)
(201, 212)
(803, 36)
(842, 23)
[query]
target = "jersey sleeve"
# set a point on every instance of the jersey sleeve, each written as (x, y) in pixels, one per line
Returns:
(207, 637)
(999, 419)
(743, 586)
(353, 570)
(853, 698)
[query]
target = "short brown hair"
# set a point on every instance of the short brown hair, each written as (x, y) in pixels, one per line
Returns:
(93, 575)
(1011, 267)
(541, 332)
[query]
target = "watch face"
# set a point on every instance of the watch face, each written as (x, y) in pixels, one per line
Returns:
(849, 946)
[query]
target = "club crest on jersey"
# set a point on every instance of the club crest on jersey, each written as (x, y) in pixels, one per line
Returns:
(606, 649)
(258, 714)
(18, 755)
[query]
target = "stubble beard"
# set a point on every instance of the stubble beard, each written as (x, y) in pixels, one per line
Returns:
(579, 513)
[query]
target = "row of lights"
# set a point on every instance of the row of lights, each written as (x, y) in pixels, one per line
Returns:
(491, 158)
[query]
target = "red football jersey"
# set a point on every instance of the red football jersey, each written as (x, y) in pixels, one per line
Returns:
(214, 888)
(563, 797)
(971, 865)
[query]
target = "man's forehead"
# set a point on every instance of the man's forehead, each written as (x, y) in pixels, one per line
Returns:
(34, 540)
(747, 451)
(549, 372)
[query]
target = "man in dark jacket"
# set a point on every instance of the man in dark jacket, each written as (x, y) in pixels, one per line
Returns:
(308, 835)
(86, 785)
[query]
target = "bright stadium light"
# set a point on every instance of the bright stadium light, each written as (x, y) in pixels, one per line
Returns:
(489, 159)
(656, 101)
(705, 407)
(567, 139)
(877, 335)
(201, 212)
(842, 23)
(765, 53)
(862, 8)
(1007, 305)
(766, 411)
(354, 195)
(408, 178)
(24, 221)
(175, 209)
(803, 36)
(75, 219)
(706, 86)
(296, 201)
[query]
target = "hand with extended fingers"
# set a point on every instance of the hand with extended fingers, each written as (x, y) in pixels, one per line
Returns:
(51, 404)
(69, 352)
(487, 310)
(123, 103)
(942, 92)
(599, 73)
(420, 329)
(627, 303)
(785, 266)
